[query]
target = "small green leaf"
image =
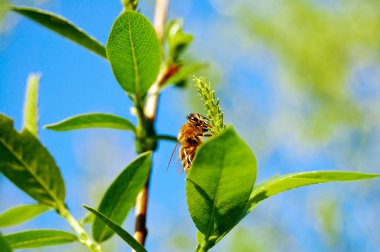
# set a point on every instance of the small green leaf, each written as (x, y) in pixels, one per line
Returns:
(63, 27)
(219, 184)
(4, 246)
(118, 230)
(39, 238)
(94, 120)
(283, 183)
(87, 219)
(134, 52)
(177, 40)
(26, 162)
(21, 214)
(31, 104)
(120, 197)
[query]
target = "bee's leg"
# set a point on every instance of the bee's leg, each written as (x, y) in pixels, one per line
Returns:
(189, 159)
(186, 163)
(207, 135)
(192, 154)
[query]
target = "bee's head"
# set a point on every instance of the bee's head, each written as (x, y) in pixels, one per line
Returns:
(198, 120)
(193, 119)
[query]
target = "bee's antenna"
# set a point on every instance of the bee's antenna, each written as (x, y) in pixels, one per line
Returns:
(171, 156)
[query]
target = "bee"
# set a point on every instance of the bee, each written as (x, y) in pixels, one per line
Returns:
(190, 137)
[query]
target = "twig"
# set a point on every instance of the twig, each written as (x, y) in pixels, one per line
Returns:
(84, 238)
(166, 137)
(150, 111)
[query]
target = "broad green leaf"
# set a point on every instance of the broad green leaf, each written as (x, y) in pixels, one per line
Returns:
(118, 230)
(219, 184)
(134, 52)
(94, 120)
(26, 162)
(31, 104)
(63, 27)
(120, 197)
(283, 183)
(181, 76)
(39, 238)
(4, 246)
(21, 214)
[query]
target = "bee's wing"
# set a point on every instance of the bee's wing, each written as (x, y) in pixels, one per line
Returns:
(171, 156)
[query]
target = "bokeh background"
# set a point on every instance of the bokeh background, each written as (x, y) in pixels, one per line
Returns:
(298, 79)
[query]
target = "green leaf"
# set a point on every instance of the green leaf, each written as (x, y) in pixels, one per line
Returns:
(178, 41)
(39, 238)
(31, 104)
(134, 52)
(63, 27)
(4, 246)
(182, 74)
(93, 120)
(26, 162)
(219, 184)
(120, 197)
(283, 183)
(21, 214)
(118, 230)
(87, 219)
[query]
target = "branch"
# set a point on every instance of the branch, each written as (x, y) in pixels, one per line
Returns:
(150, 111)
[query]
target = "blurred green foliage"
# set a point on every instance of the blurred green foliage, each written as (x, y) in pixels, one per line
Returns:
(329, 221)
(319, 43)
(3, 9)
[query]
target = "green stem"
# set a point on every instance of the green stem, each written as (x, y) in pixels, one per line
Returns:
(84, 238)
(129, 4)
(166, 137)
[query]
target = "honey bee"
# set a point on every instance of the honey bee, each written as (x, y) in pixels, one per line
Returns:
(190, 137)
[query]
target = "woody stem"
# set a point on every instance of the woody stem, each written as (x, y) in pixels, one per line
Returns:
(150, 111)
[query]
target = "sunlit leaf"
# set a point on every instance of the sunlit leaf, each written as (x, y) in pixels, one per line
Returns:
(120, 197)
(39, 238)
(26, 162)
(219, 184)
(31, 104)
(118, 230)
(63, 27)
(134, 52)
(93, 120)
(21, 214)
(283, 183)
